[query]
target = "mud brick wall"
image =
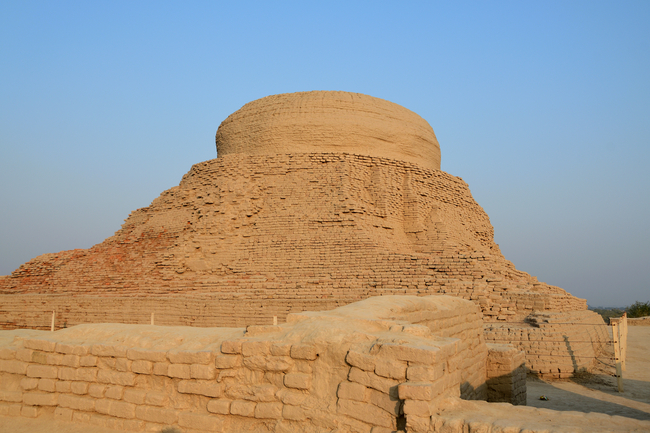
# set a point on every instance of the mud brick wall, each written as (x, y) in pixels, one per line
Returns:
(557, 345)
(244, 238)
(364, 366)
(318, 226)
(506, 374)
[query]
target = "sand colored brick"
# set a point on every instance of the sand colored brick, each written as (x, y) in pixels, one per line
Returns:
(303, 220)
(317, 200)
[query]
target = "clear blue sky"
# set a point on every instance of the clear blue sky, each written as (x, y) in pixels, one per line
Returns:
(542, 107)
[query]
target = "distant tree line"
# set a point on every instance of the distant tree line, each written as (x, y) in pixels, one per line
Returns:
(638, 309)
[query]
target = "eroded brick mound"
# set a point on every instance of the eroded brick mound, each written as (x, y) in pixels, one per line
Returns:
(308, 122)
(275, 226)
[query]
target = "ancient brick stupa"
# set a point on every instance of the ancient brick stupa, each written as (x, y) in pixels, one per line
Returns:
(316, 200)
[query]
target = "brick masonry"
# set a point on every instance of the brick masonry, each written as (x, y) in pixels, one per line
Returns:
(251, 235)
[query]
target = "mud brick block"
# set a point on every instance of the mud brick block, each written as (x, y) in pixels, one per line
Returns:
(40, 399)
(108, 350)
(116, 377)
(79, 388)
(417, 407)
(96, 390)
(255, 348)
(371, 380)
(77, 403)
(200, 422)
(200, 371)
(142, 367)
(123, 364)
(11, 396)
(361, 360)
(43, 371)
(27, 383)
(154, 398)
(7, 353)
(10, 409)
(72, 349)
(227, 361)
(114, 392)
(416, 354)
(264, 392)
(278, 363)
(106, 421)
(43, 345)
(391, 369)
(291, 397)
(221, 407)
(243, 408)
(424, 373)
(71, 361)
(352, 391)
(390, 403)
(257, 362)
(365, 412)
(47, 385)
(416, 391)
(81, 417)
(25, 355)
(377, 429)
(30, 411)
(135, 396)
(421, 424)
(88, 361)
(293, 413)
(119, 409)
(146, 355)
(156, 414)
(272, 410)
(63, 386)
(201, 387)
(297, 380)
(226, 373)
(134, 425)
(161, 368)
(304, 351)
(231, 346)
(181, 371)
(280, 349)
(63, 414)
(86, 374)
(185, 357)
(67, 373)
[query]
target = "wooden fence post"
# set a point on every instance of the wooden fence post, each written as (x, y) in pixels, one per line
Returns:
(616, 333)
(623, 341)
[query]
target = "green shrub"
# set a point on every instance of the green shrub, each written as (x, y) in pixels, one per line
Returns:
(608, 313)
(638, 309)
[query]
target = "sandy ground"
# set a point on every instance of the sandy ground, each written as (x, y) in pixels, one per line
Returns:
(593, 393)
(598, 393)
